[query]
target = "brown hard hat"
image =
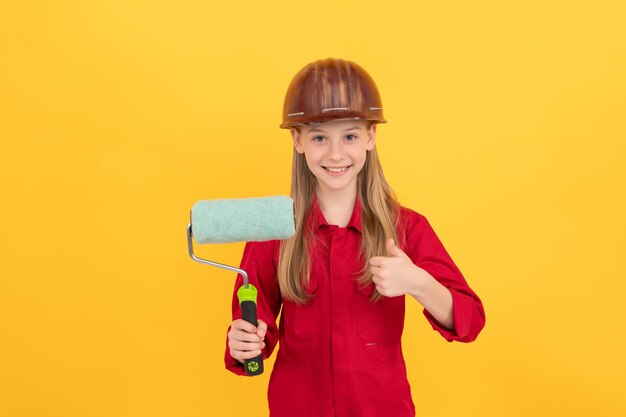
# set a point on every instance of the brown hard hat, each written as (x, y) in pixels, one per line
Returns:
(331, 89)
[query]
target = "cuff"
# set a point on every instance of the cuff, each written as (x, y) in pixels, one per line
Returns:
(234, 366)
(463, 308)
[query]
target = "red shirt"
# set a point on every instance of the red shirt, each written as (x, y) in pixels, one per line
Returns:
(340, 355)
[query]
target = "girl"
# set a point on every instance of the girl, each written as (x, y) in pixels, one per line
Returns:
(341, 280)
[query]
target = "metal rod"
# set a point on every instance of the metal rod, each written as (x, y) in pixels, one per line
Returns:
(206, 261)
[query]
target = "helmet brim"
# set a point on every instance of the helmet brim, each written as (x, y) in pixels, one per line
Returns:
(321, 119)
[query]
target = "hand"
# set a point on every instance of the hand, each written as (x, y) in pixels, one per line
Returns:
(395, 274)
(245, 340)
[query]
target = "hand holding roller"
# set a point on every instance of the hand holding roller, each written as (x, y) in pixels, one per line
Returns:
(236, 220)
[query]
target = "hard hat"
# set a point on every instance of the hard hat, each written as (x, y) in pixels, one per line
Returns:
(331, 89)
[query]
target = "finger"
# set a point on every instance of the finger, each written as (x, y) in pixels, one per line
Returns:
(377, 260)
(244, 336)
(261, 329)
(245, 346)
(379, 273)
(375, 270)
(392, 249)
(241, 356)
(241, 324)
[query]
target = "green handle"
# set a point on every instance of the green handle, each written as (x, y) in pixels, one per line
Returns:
(247, 301)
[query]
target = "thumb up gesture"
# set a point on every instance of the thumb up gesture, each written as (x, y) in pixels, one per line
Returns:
(395, 274)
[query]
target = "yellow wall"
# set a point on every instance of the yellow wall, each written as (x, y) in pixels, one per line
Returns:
(506, 130)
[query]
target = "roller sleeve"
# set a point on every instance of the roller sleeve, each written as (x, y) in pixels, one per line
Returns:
(244, 219)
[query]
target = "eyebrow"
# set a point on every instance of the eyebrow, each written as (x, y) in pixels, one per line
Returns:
(350, 128)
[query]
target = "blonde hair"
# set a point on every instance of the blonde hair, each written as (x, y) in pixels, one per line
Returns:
(380, 211)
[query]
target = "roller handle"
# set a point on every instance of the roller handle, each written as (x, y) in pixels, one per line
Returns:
(252, 366)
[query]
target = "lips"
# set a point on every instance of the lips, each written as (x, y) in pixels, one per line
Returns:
(336, 170)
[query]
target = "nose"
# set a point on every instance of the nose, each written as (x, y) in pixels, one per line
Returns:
(336, 150)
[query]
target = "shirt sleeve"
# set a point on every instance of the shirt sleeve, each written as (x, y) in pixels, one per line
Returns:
(426, 251)
(259, 262)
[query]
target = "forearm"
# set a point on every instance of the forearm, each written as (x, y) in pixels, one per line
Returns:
(435, 298)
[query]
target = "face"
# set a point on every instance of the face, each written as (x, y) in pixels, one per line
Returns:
(335, 151)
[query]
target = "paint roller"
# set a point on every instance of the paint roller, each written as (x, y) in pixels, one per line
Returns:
(237, 220)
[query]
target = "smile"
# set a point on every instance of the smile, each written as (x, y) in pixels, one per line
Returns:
(336, 170)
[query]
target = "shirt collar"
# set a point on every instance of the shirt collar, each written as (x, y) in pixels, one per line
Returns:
(317, 219)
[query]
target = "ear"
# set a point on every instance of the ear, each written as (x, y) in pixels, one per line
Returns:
(297, 140)
(371, 137)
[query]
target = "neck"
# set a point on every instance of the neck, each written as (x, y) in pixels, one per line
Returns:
(337, 205)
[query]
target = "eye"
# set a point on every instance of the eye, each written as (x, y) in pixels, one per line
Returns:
(351, 137)
(318, 138)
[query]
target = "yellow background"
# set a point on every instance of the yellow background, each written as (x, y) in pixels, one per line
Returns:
(506, 130)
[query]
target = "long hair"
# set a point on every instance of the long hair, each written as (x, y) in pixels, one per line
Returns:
(380, 211)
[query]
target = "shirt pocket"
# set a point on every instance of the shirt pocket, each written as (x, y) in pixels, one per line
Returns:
(302, 321)
(378, 322)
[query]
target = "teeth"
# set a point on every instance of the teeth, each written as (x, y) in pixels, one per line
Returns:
(336, 169)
